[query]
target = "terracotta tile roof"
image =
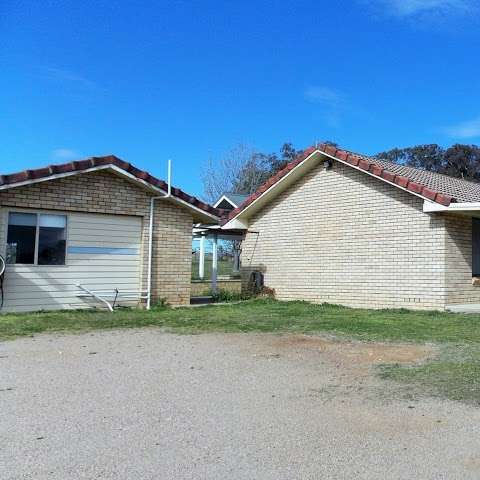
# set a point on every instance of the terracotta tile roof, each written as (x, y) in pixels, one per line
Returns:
(460, 190)
(436, 187)
(81, 165)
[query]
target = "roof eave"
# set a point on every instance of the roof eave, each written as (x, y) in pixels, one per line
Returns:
(229, 200)
(352, 160)
(399, 181)
(460, 207)
(198, 213)
(240, 220)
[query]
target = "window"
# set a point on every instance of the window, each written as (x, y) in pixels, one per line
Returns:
(36, 239)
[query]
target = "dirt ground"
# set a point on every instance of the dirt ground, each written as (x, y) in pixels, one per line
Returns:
(142, 404)
(354, 354)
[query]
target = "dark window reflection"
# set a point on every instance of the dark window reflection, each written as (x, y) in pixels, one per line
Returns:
(22, 230)
(52, 240)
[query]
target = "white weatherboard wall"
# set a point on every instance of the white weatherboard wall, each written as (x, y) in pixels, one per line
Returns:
(103, 252)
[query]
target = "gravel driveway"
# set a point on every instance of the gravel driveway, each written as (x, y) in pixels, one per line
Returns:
(143, 404)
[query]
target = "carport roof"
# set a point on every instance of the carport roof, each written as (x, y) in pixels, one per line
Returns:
(98, 163)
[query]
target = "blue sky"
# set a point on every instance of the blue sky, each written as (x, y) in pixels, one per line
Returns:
(188, 80)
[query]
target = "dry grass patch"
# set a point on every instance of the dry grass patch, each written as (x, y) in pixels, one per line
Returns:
(371, 353)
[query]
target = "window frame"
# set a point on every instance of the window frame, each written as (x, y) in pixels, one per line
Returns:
(37, 213)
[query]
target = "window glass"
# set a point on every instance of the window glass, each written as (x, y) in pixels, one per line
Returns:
(23, 219)
(52, 239)
(22, 232)
(53, 221)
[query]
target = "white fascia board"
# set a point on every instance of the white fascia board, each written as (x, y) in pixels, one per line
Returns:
(302, 166)
(236, 224)
(356, 167)
(53, 177)
(465, 206)
(134, 179)
(205, 214)
(240, 217)
(119, 171)
(428, 206)
(224, 197)
(56, 176)
(431, 207)
(163, 192)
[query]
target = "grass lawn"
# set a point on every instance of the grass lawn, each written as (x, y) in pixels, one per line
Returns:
(455, 374)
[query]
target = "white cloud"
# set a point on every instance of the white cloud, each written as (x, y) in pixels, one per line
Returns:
(64, 154)
(61, 75)
(469, 129)
(411, 8)
(324, 95)
(332, 102)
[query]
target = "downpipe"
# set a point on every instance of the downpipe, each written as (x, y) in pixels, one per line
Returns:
(150, 234)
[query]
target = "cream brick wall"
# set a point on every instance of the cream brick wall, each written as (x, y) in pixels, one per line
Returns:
(105, 192)
(172, 265)
(341, 236)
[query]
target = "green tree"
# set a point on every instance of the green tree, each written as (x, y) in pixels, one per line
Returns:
(428, 157)
(462, 161)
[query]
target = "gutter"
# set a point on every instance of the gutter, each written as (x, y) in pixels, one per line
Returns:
(465, 207)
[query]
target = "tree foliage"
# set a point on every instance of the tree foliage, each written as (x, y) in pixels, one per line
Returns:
(462, 161)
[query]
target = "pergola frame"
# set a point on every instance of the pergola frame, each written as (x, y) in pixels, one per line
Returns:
(215, 233)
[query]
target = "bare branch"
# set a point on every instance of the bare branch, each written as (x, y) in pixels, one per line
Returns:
(221, 176)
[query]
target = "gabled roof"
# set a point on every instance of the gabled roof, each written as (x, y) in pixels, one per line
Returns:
(234, 199)
(238, 198)
(100, 163)
(435, 187)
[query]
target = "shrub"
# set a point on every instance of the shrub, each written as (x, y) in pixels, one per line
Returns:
(160, 303)
(222, 295)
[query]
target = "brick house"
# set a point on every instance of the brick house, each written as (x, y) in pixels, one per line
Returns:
(343, 228)
(67, 230)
